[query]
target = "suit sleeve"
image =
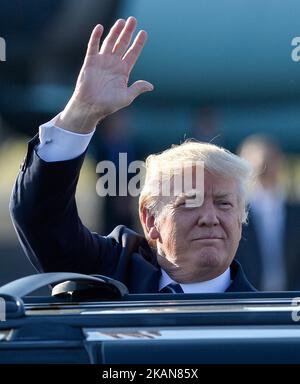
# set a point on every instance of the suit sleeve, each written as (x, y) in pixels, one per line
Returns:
(44, 212)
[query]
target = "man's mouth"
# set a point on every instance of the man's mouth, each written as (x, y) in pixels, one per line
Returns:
(208, 238)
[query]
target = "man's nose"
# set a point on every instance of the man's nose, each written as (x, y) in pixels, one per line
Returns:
(208, 215)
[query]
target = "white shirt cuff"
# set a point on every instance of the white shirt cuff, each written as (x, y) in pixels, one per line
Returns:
(57, 144)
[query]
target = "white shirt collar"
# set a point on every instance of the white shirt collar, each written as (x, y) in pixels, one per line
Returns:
(216, 285)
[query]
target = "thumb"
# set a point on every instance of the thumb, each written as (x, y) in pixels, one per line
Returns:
(140, 87)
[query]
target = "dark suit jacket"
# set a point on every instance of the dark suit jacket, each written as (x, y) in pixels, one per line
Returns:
(44, 213)
(249, 253)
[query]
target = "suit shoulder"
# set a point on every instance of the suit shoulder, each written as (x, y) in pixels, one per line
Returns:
(131, 240)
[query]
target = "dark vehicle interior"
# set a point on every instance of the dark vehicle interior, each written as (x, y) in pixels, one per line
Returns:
(93, 319)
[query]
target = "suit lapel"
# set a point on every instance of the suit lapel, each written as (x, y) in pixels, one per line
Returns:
(144, 276)
(239, 282)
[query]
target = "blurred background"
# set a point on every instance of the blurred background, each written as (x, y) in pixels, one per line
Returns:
(222, 71)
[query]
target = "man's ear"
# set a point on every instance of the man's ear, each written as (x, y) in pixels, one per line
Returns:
(240, 228)
(150, 225)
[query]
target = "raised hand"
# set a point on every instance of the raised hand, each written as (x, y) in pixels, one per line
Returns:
(102, 84)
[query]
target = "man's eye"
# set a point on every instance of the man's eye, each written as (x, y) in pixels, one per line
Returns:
(225, 204)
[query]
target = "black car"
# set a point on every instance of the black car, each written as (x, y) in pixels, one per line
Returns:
(93, 319)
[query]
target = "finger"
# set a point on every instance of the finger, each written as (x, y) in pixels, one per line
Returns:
(135, 50)
(111, 38)
(93, 45)
(139, 87)
(125, 37)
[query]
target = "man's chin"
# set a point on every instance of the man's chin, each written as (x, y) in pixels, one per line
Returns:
(208, 258)
(213, 264)
(202, 267)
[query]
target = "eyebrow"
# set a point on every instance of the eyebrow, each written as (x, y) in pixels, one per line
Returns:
(192, 195)
(223, 195)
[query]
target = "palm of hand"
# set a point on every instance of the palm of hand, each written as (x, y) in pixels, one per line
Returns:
(103, 81)
(102, 84)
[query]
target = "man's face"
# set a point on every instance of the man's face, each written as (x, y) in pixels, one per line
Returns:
(199, 243)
